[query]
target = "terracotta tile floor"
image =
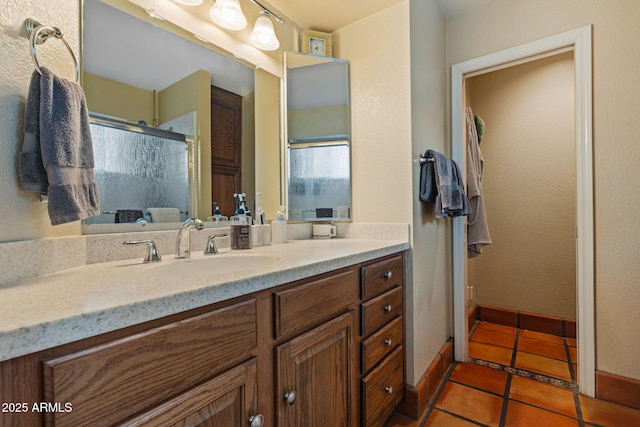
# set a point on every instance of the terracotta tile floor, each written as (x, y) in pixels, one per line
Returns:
(519, 378)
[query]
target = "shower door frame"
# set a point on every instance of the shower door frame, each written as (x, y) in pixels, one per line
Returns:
(578, 41)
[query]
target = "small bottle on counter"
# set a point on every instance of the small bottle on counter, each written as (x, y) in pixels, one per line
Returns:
(279, 227)
(240, 232)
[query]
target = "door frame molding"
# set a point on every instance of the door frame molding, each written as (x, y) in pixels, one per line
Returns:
(579, 41)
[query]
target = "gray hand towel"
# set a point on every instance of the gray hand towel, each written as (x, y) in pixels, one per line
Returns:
(65, 147)
(33, 177)
(440, 183)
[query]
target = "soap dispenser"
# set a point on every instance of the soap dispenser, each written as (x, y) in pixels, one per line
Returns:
(217, 214)
(240, 225)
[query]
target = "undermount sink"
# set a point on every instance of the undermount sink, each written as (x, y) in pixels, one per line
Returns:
(212, 265)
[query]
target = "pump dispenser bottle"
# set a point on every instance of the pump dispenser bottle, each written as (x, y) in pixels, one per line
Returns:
(240, 225)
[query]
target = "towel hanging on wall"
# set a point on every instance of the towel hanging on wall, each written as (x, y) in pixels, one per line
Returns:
(57, 154)
(477, 227)
(441, 184)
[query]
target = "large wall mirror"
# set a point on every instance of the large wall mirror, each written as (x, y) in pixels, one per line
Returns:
(318, 138)
(173, 121)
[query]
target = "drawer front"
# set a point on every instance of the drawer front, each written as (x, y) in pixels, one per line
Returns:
(378, 277)
(109, 383)
(379, 345)
(382, 389)
(380, 310)
(299, 308)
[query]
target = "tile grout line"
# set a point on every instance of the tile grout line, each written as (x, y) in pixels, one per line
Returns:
(576, 392)
(507, 389)
(436, 397)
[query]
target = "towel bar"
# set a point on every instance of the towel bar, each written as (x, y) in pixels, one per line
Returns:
(422, 160)
(39, 34)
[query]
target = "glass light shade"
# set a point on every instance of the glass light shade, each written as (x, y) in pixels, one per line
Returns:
(189, 2)
(263, 37)
(228, 14)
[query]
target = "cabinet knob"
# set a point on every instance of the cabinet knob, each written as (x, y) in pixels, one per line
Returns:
(388, 342)
(389, 390)
(256, 421)
(290, 398)
(388, 275)
(387, 308)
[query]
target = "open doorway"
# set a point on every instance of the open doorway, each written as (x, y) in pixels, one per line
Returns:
(579, 43)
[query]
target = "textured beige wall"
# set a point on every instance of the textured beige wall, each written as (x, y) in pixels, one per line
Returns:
(529, 186)
(501, 24)
(23, 215)
(267, 145)
(380, 114)
(429, 299)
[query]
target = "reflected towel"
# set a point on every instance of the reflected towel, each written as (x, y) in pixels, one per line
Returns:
(128, 215)
(57, 129)
(164, 214)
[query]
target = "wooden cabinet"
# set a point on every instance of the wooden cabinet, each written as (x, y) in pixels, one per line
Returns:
(382, 350)
(229, 399)
(314, 376)
(323, 351)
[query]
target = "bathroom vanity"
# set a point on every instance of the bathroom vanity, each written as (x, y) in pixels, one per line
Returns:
(316, 340)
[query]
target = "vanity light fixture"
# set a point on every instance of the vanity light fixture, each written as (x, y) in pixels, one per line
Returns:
(263, 37)
(189, 2)
(228, 14)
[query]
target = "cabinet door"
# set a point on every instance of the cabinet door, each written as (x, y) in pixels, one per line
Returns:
(230, 399)
(314, 377)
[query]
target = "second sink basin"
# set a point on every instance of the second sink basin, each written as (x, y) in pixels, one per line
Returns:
(211, 265)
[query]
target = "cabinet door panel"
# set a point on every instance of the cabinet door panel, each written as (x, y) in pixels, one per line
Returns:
(317, 367)
(138, 372)
(227, 400)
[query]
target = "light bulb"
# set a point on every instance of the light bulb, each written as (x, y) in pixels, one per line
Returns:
(263, 37)
(228, 14)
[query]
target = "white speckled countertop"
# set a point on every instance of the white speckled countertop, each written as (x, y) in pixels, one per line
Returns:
(88, 300)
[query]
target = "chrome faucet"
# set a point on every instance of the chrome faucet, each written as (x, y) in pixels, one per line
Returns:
(183, 235)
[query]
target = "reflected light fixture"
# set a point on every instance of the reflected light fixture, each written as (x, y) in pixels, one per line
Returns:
(263, 37)
(228, 14)
(189, 2)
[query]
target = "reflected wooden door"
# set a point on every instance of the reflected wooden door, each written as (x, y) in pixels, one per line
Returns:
(226, 148)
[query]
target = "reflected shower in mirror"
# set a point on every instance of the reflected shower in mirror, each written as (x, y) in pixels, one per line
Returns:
(318, 136)
(142, 173)
(148, 72)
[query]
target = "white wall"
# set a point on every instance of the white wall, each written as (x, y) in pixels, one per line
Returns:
(501, 24)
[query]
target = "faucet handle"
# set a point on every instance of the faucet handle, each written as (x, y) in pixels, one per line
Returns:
(211, 244)
(152, 249)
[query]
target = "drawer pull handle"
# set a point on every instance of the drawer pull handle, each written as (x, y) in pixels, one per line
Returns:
(387, 308)
(388, 275)
(388, 342)
(290, 398)
(389, 390)
(256, 421)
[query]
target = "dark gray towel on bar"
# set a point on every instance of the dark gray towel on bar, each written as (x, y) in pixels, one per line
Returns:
(33, 177)
(64, 144)
(441, 183)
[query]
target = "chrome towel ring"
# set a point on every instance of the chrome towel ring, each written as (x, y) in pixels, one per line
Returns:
(38, 34)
